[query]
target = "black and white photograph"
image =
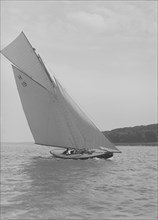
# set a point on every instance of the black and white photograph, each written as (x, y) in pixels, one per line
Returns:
(79, 129)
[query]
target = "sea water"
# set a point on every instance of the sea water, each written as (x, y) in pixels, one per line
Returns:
(34, 185)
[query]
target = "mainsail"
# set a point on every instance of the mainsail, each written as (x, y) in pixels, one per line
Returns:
(53, 117)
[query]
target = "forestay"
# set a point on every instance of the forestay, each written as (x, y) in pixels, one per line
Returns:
(90, 134)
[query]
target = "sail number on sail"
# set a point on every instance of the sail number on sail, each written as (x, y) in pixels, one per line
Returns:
(24, 84)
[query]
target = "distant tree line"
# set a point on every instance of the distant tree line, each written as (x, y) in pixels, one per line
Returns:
(138, 134)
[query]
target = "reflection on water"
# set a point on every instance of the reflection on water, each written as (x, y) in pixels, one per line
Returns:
(37, 186)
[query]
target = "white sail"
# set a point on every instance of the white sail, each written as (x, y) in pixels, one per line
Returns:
(91, 135)
(42, 111)
(22, 54)
(54, 118)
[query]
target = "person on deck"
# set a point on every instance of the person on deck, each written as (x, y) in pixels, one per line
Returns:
(69, 151)
(66, 151)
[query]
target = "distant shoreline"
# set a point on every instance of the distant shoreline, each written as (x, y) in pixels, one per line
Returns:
(142, 135)
(137, 144)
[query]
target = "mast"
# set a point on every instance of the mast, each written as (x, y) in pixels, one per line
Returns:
(49, 77)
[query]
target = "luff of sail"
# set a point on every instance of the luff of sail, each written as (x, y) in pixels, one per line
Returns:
(53, 117)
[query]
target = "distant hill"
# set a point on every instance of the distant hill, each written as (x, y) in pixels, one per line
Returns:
(138, 134)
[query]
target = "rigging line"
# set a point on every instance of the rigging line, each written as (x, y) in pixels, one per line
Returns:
(70, 123)
(83, 112)
(50, 70)
(64, 110)
(77, 105)
(85, 115)
(47, 72)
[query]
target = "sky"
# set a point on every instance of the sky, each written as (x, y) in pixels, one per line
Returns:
(103, 52)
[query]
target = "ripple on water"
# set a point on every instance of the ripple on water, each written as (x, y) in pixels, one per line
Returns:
(36, 186)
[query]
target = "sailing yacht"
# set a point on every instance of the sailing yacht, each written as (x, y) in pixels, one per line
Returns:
(54, 119)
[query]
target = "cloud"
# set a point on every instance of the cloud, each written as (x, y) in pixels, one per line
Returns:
(123, 19)
(88, 20)
(99, 21)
